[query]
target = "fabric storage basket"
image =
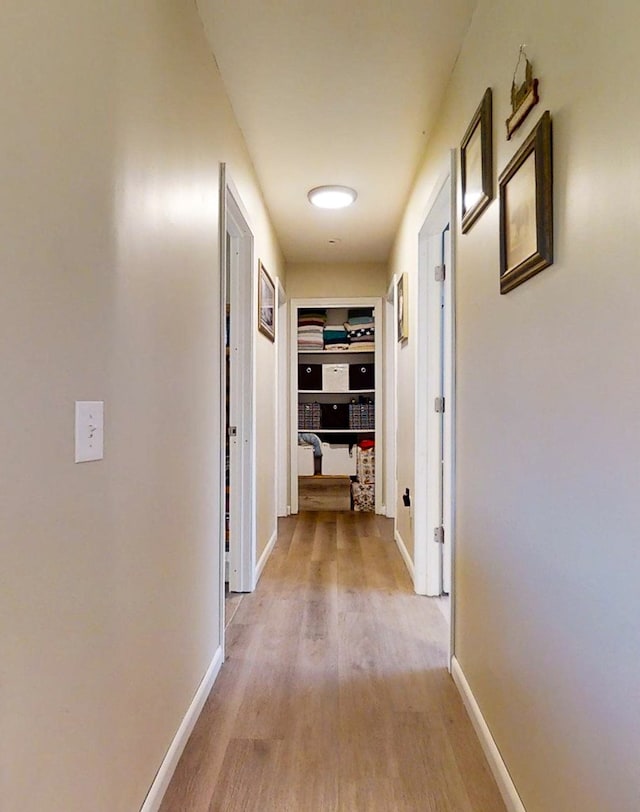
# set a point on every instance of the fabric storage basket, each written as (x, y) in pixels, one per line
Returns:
(338, 459)
(335, 416)
(310, 376)
(335, 377)
(362, 416)
(309, 415)
(361, 376)
(366, 466)
(364, 497)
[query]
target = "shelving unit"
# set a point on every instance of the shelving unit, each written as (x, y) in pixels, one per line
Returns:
(341, 397)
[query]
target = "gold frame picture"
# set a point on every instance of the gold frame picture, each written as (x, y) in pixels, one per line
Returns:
(476, 163)
(526, 209)
(524, 96)
(266, 303)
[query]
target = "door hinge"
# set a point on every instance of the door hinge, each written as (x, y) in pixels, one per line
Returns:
(438, 535)
(438, 405)
(440, 273)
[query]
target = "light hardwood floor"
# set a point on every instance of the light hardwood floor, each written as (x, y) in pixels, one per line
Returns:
(334, 694)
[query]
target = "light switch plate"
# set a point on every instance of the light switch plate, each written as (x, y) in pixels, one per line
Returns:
(89, 430)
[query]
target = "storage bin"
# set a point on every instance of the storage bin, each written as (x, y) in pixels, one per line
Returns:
(310, 376)
(335, 377)
(366, 466)
(335, 416)
(338, 460)
(305, 460)
(364, 497)
(362, 376)
(362, 416)
(309, 415)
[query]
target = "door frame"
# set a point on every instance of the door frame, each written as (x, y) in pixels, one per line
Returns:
(390, 381)
(440, 211)
(283, 502)
(242, 554)
(376, 304)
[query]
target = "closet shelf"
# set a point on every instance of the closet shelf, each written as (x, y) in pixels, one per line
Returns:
(336, 391)
(338, 431)
(346, 353)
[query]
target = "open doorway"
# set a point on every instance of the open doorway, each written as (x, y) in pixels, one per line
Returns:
(337, 449)
(238, 474)
(434, 514)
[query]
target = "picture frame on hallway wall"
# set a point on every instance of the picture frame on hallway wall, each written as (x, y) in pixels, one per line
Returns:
(524, 93)
(526, 209)
(476, 163)
(402, 305)
(266, 303)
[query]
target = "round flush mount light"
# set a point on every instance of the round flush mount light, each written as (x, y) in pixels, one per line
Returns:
(332, 197)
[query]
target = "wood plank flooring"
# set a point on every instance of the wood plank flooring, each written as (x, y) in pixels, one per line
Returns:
(324, 493)
(334, 694)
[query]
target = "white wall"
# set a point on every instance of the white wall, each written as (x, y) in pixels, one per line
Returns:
(548, 606)
(114, 124)
(342, 280)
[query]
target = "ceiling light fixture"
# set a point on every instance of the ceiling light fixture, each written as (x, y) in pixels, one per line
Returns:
(332, 197)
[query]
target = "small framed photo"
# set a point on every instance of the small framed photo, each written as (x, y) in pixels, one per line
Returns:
(266, 303)
(476, 163)
(524, 93)
(402, 303)
(526, 209)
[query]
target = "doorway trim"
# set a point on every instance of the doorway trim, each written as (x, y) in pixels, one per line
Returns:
(242, 507)
(376, 304)
(390, 379)
(283, 502)
(440, 211)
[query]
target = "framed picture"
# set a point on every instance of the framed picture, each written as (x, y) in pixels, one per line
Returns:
(403, 307)
(266, 303)
(524, 93)
(526, 209)
(476, 163)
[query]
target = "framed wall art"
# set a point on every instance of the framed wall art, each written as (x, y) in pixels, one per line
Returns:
(526, 209)
(266, 303)
(402, 304)
(476, 163)
(524, 93)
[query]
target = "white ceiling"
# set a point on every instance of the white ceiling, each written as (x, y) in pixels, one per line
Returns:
(336, 92)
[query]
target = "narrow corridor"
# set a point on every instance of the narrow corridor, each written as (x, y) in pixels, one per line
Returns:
(335, 693)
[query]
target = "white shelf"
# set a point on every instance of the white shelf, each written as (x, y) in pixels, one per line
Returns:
(337, 431)
(336, 352)
(335, 391)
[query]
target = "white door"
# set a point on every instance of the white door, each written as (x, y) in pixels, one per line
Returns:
(433, 511)
(238, 481)
(442, 478)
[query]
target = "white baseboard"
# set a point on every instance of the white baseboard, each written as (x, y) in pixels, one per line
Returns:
(170, 762)
(265, 554)
(405, 554)
(498, 767)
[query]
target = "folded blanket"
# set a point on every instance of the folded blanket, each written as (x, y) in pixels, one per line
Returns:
(365, 325)
(337, 347)
(362, 346)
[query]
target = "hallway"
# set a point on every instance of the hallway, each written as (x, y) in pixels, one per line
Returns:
(334, 694)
